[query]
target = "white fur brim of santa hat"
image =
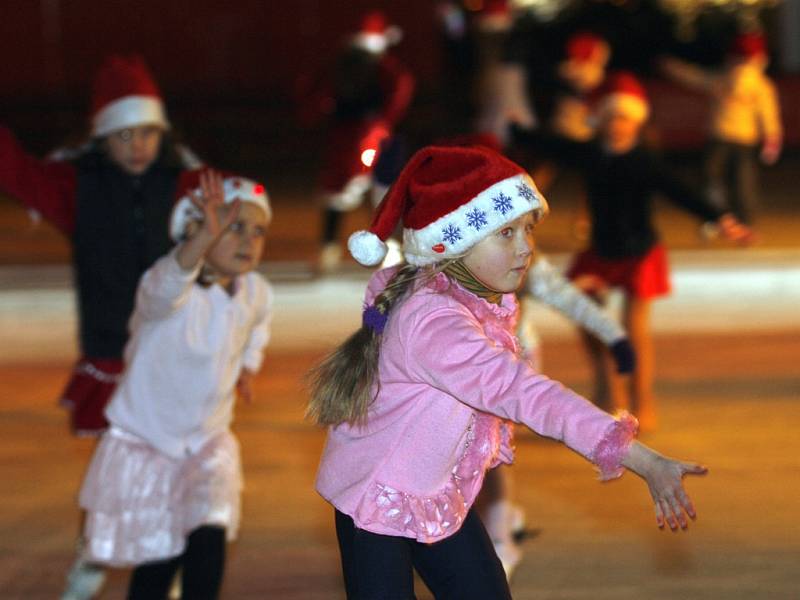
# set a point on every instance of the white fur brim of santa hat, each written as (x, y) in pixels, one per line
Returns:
(624, 94)
(631, 106)
(448, 199)
(130, 111)
(235, 187)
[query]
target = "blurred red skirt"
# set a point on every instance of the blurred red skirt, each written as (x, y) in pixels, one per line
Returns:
(87, 393)
(640, 276)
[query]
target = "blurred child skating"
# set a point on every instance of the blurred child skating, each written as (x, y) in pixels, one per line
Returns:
(163, 489)
(369, 92)
(112, 198)
(621, 177)
(745, 118)
(436, 362)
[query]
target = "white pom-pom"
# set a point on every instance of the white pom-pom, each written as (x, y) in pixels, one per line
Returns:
(367, 248)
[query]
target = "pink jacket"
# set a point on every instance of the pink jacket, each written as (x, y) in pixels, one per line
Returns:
(450, 374)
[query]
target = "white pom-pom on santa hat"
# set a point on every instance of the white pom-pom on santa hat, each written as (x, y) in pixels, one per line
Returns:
(367, 248)
(448, 198)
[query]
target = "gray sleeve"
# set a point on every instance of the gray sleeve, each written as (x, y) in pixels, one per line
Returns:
(549, 286)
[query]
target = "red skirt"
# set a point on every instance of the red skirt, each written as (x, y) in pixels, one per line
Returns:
(640, 276)
(87, 393)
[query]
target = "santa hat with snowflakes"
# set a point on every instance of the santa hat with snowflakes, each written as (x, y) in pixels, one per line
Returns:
(376, 34)
(234, 188)
(448, 198)
(124, 94)
(623, 93)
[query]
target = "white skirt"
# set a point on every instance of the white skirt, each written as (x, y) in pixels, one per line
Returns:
(141, 504)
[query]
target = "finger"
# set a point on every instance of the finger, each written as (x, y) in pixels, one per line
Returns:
(686, 503)
(693, 469)
(669, 516)
(677, 512)
(233, 212)
(659, 516)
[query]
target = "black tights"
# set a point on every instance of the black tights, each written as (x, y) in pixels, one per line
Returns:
(203, 563)
(463, 566)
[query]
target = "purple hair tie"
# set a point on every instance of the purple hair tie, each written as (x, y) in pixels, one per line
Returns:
(373, 318)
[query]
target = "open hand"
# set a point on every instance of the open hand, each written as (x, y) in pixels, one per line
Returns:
(665, 479)
(209, 199)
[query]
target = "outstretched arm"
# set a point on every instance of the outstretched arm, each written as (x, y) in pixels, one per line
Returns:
(47, 188)
(678, 192)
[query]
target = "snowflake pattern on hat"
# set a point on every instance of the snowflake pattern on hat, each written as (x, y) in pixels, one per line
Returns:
(451, 234)
(502, 203)
(476, 219)
(525, 191)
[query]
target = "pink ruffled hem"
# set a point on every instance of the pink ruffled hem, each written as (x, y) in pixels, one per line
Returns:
(613, 446)
(431, 518)
(141, 504)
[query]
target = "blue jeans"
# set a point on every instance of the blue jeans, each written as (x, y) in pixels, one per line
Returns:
(463, 566)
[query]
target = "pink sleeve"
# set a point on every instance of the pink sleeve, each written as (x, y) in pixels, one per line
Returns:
(447, 349)
(49, 188)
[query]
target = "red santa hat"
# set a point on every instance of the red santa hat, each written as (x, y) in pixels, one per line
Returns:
(495, 15)
(623, 93)
(448, 198)
(124, 94)
(234, 186)
(586, 47)
(748, 45)
(375, 34)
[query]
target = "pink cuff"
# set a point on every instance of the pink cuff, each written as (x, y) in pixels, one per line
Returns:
(613, 446)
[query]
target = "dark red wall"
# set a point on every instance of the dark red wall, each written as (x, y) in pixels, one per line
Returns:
(223, 49)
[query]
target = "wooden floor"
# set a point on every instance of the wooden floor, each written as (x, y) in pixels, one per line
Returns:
(730, 402)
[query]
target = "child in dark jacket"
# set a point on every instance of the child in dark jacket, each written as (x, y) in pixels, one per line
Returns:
(621, 178)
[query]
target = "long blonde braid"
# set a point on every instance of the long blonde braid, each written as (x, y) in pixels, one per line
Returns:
(341, 385)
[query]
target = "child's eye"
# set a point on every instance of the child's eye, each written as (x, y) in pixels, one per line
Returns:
(260, 231)
(507, 232)
(236, 227)
(125, 135)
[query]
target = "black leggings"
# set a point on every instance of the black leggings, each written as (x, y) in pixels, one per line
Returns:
(463, 566)
(203, 563)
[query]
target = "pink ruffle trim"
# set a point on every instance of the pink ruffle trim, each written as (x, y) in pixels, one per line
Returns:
(613, 446)
(431, 518)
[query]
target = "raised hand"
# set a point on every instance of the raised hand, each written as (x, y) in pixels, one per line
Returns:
(209, 200)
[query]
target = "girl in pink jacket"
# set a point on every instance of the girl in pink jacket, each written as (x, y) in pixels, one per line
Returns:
(418, 400)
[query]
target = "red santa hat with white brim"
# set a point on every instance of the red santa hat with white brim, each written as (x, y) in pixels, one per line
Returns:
(124, 94)
(234, 187)
(448, 198)
(622, 93)
(375, 34)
